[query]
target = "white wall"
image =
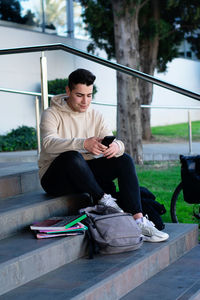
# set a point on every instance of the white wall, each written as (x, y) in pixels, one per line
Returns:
(184, 73)
(22, 72)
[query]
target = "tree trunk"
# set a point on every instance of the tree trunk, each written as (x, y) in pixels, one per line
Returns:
(126, 33)
(148, 62)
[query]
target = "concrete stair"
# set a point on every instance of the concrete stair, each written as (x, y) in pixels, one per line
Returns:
(18, 212)
(59, 268)
(17, 178)
(181, 280)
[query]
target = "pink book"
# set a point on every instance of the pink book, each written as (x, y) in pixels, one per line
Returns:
(76, 227)
(46, 236)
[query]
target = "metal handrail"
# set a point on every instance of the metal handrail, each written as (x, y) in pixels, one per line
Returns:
(104, 104)
(23, 92)
(49, 95)
(101, 103)
(169, 106)
(115, 66)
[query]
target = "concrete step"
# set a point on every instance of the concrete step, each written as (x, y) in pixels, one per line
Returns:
(180, 281)
(24, 258)
(18, 212)
(18, 178)
(104, 277)
(19, 156)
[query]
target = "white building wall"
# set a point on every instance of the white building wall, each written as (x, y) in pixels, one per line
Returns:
(184, 73)
(22, 72)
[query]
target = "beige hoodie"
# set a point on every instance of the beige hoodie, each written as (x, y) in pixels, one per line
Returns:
(63, 129)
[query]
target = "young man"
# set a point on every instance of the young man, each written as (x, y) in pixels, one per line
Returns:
(74, 160)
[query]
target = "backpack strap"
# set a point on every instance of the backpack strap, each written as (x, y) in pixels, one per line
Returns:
(98, 209)
(92, 245)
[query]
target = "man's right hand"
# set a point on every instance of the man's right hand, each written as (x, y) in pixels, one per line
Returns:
(94, 146)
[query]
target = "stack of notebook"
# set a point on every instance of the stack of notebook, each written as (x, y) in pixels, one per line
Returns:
(59, 226)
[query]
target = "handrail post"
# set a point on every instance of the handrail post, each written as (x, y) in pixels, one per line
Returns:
(190, 132)
(70, 18)
(43, 3)
(37, 114)
(44, 87)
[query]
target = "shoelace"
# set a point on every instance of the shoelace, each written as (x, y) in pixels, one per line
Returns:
(111, 202)
(109, 198)
(147, 221)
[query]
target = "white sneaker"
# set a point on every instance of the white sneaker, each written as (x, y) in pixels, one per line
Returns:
(108, 200)
(150, 233)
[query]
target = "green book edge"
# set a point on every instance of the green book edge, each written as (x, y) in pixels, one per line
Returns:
(72, 230)
(76, 221)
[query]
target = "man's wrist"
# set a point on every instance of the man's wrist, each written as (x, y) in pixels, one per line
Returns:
(119, 145)
(84, 149)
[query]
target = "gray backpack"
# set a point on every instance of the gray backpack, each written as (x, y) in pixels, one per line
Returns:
(110, 231)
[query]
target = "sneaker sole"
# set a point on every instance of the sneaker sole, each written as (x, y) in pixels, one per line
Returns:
(157, 234)
(154, 239)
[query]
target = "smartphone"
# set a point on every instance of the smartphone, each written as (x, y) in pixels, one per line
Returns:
(107, 140)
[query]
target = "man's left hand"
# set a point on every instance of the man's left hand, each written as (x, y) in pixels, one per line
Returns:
(111, 151)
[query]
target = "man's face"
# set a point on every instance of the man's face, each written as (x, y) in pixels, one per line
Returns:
(80, 97)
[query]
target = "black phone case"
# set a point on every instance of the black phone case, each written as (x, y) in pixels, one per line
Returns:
(107, 140)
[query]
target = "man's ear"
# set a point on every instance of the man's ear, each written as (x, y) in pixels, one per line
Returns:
(67, 90)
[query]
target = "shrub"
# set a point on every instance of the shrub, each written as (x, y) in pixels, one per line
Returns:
(57, 86)
(22, 138)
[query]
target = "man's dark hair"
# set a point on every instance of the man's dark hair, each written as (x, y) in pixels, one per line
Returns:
(80, 76)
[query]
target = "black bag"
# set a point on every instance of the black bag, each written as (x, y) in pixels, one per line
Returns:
(152, 208)
(190, 175)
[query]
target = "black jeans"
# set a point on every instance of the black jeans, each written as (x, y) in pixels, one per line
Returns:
(71, 173)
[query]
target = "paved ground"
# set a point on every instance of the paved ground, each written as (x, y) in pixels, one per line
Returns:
(169, 151)
(172, 148)
(164, 151)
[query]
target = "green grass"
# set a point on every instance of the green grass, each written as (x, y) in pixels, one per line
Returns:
(161, 179)
(176, 132)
